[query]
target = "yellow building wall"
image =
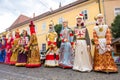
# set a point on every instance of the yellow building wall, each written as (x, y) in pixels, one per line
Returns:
(70, 15)
(109, 6)
(67, 14)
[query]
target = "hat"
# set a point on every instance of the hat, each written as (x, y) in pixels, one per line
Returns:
(65, 20)
(17, 35)
(80, 16)
(51, 23)
(32, 28)
(17, 31)
(99, 15)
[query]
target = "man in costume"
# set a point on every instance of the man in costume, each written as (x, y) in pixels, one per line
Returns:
(52, 56)
(33, 59)
(103, 60)
(66, 52)
(23, 49)
(9, 48)
(82, 60)
(15, 48)
(3, 48)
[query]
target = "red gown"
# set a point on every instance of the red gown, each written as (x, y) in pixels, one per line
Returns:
(8, 50)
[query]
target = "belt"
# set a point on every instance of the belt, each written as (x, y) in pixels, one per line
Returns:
(101, 37)
(34, 44)
(80, 38)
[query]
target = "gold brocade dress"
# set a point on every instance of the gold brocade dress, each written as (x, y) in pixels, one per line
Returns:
(15, 50)
(103, 60)
(33, 59)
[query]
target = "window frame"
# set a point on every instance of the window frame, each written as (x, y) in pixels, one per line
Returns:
(116, 11)
(84, 14)
(43, 46)
(43, 26)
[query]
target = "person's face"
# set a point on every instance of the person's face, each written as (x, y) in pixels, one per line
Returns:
(100, 19)
(50, 27)
(79, 20)
(65, 24)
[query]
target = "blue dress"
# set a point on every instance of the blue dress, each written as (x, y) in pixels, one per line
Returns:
(66, 58)
(2, 51)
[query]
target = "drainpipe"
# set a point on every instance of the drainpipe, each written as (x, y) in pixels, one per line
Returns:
(104, 10)
(99, 6)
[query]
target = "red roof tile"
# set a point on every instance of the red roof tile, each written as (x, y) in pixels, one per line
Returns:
(20, 19)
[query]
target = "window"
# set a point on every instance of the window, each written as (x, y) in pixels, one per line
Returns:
(44, 26)
(85, 13)
(117, 11)
(60, 20)
(43, 47)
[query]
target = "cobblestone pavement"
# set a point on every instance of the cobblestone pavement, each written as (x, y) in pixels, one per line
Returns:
(21, 73)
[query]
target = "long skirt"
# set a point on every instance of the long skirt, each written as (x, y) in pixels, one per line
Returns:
(83, 59)
(13, 58)
(8, 56)
(33, 59)
(52, 59)
(66, 58)
(103, 60)
(2, 56)
(22, 59)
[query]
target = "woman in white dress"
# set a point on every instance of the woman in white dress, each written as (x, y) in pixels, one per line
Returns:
(82, 60)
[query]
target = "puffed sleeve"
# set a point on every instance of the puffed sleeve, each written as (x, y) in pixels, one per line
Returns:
(108, 37)
(95, 37)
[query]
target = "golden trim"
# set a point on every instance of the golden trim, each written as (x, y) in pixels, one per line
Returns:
(101, 37)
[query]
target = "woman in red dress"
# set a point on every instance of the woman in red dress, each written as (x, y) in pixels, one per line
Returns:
(8, 48)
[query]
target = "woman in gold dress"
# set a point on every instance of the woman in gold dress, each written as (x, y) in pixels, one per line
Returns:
(103, 60)
(33, 59)
(15, 48)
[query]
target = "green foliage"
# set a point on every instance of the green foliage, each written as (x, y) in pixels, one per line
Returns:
(116, 27)
(58, 28)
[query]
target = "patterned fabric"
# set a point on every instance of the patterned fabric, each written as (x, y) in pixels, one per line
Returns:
(82, 33)
(33, 55)
(103, 62)
(15, 50)
(22, 54)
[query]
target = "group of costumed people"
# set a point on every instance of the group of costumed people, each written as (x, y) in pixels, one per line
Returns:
(74, 52)
(22, 50)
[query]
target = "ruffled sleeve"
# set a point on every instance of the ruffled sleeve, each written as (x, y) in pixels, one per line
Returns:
(108, 37)
(95, 37)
